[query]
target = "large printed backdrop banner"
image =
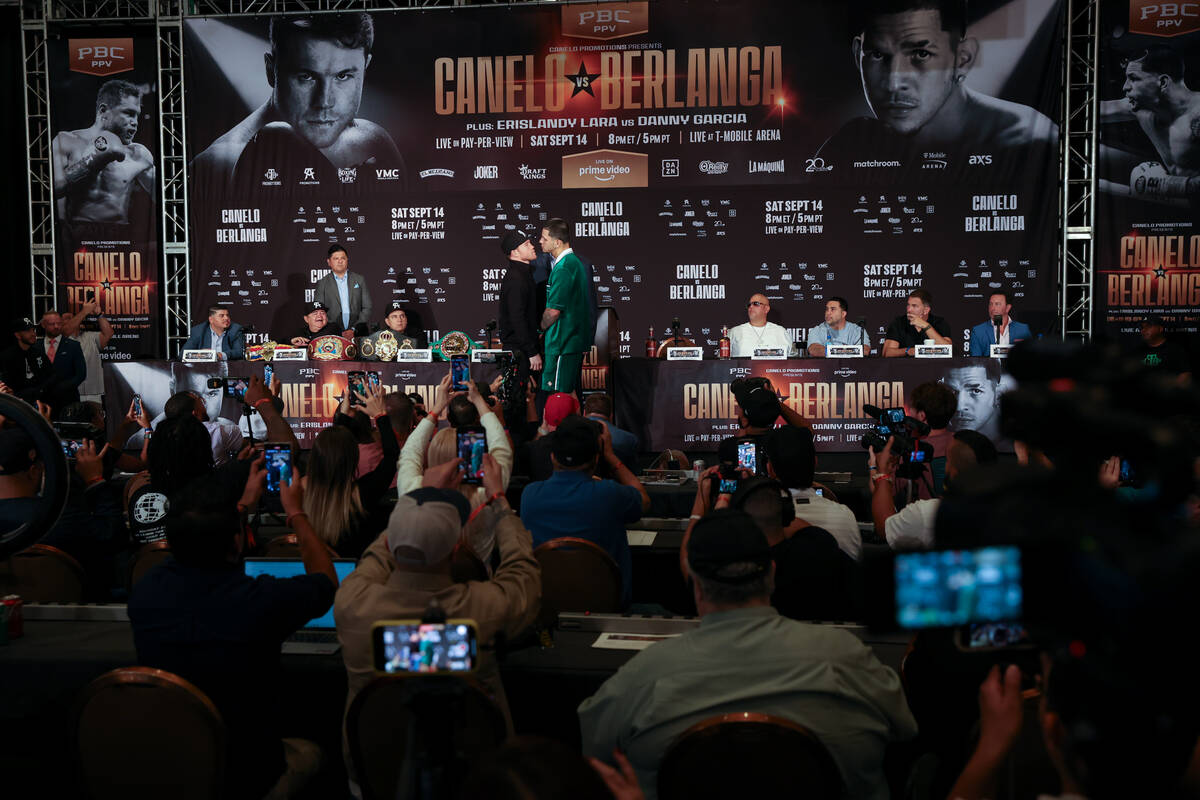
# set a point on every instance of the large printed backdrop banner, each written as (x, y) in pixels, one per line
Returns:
(703, 151)
(1147, 241)
(104, 157)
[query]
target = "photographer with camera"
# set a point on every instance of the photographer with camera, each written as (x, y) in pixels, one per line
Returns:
(912, 527)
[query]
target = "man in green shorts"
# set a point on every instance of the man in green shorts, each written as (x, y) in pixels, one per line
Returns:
(567, 320)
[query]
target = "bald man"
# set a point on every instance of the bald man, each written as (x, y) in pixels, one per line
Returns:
(744, 339)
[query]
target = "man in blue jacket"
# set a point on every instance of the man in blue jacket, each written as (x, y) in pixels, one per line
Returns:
(220, 333)
(1010, 331)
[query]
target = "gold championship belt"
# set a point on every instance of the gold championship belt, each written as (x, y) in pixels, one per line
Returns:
(261, 352)
(454, 343)
(331, 348)
(385, 346)
(366, 347)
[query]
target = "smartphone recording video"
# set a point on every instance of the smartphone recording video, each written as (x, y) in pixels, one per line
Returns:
(356, 384)
(472, 444)
(236, 388)
(747, 456)
(948, 588)
(409, 646)
(460, 373)
(279, 465)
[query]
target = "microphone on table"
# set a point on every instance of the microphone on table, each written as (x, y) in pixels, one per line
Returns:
(675, 329)
(862, 336)
(997, 321)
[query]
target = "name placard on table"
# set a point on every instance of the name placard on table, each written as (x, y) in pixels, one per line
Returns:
(489, 356)
(843, 351)
(418, 356)
(290, 354)
(934, 351)
(685, 354)
(769, 354)
(199, 356)
(1000, 350)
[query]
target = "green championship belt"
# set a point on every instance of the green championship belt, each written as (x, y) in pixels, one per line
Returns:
(454, 343)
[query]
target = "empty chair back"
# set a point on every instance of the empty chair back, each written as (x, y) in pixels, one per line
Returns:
(147, 733)
(748, 755)
(42, 574)
(147, 557)
(577, 575)
(403, 730)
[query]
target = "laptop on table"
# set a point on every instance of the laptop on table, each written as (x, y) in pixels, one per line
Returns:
(319, 635)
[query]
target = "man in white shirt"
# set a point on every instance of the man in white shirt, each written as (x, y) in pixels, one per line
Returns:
(92, 342)
(912, 528)
(791, 460)
(744, 339)
(836, 330)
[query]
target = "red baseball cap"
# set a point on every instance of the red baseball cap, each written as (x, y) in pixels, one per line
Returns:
(559, 406)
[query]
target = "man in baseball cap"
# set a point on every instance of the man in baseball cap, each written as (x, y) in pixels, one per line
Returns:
(28, 372)
(744, 656)
(408, 566)
(316, 323)
(517, 317)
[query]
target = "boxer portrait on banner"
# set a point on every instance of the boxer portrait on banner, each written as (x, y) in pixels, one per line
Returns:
(914, 57)
(1168, 111)
(97, 169)
(309, 126)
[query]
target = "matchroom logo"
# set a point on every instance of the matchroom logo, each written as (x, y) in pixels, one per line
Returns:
(605, 169)
(605, 20)
(1162, 19)
(101, 56)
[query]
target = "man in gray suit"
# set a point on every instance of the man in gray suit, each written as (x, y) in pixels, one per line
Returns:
(344, 293)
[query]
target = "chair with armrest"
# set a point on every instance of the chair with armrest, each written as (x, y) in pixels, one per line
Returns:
(409, 731)
(42, 574)
(147, 733)
(147, 557)
(577, 575)
(747, 754)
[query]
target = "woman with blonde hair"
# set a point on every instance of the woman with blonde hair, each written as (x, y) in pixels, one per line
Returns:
(428, 447)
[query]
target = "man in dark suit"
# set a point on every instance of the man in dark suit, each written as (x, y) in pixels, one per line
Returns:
(220, 333)
(518, 316)
(344, 293)
(27, 371)
(1008, 331)
(64, 353)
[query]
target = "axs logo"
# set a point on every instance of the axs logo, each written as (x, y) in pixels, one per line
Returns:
(979, 160)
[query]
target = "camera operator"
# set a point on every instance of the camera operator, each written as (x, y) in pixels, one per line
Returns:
(934, 404)
(912, 528)
(759, 407)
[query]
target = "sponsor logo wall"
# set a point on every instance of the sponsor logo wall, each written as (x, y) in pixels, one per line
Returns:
(1148, 209)
(702, 156)
(104, 162)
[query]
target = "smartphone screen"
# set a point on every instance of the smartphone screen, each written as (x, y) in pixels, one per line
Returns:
(279, 465)
(917, 456)
(1127, 473)
(996, 636)
(472, 444)
(373, 378)
(820, 492)
(947, 588)
(430, 647)
(268, 374)
(137, 404)
(71, 447)
(894, 415)
(747, 456)
(356, 385)
(460, 373)
(236, 388)
(728, 486)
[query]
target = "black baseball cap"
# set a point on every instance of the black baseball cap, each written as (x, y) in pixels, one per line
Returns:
(512, 240)
(726, 546)
(574, 442)
(21, 324)
(315, 305)
(396, 305)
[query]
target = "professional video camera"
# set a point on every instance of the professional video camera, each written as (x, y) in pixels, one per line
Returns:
(741, 388)
(905, 432)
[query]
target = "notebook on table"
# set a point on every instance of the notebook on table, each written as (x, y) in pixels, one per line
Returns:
(318, 636)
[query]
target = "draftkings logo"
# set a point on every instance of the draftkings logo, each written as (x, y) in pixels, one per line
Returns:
(529, 173)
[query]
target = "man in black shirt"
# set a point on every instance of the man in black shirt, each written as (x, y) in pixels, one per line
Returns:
(915, 326)
(199, 616)
(1158, 353)
(316, 323)
(518, 317)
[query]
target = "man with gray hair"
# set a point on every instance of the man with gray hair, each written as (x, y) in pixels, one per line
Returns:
(744, 656)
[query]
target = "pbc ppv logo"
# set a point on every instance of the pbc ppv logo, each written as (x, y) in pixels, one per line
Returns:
(1163, 19)
(602, 21)
(101, 56)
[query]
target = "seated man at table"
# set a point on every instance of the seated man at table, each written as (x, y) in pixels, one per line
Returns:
(744, 656)
(813, 578)
(914, 326)
(836, 329)
(757, 333)
(316, 323)
(219, 333)
(408, 566)
(1009, 331)
(792, 460)
(199, 616)
(571, 503)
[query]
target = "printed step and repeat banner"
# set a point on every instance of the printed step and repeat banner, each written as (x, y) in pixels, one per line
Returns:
(703, 152)
(1147, 256)
(104, 162)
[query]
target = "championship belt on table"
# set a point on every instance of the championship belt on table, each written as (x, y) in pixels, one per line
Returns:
(331, 348)
(454, 343)
(385, 346)
(261, 352)
(366, 347)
